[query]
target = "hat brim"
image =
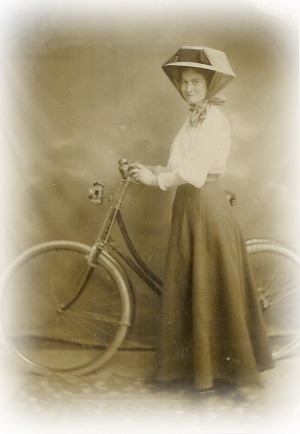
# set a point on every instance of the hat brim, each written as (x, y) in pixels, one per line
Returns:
(180, 65)
(202, 59)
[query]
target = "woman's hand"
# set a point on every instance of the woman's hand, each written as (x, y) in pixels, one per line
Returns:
(141, 173)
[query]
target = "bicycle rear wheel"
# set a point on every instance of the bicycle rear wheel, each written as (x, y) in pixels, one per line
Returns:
(49, 338)
(276, 271)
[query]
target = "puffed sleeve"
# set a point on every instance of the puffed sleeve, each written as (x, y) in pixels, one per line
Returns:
(159, 169)
(166, 178)
(196, 152)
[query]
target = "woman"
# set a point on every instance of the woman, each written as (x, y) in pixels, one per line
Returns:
(212, 328)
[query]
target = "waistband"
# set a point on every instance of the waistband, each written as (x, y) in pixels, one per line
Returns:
(212, 177)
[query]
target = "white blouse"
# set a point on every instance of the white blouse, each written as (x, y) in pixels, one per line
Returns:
(197, 152)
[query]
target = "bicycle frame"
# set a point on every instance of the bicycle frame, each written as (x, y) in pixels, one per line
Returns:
(108, 304)
(104, 241)
(114, 216)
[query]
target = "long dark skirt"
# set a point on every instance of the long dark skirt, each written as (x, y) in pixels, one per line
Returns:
(211, 322)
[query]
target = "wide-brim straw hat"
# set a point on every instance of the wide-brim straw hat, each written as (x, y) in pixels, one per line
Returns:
(201, 58)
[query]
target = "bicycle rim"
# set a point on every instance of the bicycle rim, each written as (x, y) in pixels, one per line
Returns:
(276, 271)
(48, 338)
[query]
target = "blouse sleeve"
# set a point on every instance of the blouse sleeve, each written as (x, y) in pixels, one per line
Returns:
(168, 179)
(159, 169)
(196, 152)
(165, 178)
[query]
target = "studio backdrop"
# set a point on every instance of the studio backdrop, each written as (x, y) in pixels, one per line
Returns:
(81, 91)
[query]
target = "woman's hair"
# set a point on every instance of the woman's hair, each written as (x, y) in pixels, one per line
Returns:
(206, 73)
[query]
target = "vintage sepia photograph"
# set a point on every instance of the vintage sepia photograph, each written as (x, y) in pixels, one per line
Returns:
(150, 237)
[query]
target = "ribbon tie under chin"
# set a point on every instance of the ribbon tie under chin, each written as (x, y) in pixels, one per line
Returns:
(199, 111)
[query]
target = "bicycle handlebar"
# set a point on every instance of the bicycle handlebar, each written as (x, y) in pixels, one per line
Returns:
(123, 167)
(96, 192)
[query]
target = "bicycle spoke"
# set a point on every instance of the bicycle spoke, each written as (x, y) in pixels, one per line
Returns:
(277, 275)
(97, 317)
(85, 323)
(48, 338)
(76, 335)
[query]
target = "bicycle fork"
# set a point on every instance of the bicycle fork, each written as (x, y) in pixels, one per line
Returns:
(99, 245)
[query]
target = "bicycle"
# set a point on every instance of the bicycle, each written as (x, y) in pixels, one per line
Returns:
(67, 308)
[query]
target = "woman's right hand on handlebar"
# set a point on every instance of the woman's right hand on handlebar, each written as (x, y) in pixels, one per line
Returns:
(141, 173)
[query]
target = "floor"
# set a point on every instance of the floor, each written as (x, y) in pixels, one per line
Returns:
(119, 398)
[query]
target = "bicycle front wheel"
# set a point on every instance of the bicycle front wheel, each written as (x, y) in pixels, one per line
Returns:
(276, 270)
(52, 326)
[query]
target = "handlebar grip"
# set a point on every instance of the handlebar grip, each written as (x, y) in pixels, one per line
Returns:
(123, 167)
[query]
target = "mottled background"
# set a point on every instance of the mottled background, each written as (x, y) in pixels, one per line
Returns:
(83, 87)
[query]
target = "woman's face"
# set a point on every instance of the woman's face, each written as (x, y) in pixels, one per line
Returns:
(193, 86)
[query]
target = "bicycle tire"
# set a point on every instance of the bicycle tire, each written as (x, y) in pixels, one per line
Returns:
(79, 339)
(276, 270)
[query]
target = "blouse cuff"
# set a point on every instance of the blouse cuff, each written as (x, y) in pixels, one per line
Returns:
(158, 169)
(168, 180)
